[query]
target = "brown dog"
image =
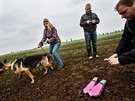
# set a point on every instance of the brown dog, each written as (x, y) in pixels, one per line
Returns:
(25, 64)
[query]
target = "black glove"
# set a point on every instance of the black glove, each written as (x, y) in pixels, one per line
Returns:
(40, 45)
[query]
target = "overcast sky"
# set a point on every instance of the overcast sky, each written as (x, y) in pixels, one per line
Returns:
(21, 25)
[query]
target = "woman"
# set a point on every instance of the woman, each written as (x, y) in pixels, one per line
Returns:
(51, 37)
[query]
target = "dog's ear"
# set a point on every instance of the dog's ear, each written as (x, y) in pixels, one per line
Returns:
(5, 61)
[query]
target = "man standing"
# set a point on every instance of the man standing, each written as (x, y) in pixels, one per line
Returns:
(89, 22)
(125, 51)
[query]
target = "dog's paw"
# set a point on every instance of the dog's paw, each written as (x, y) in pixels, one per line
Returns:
(45, 73)
(20, 76)
(32, 82)
(52, 68)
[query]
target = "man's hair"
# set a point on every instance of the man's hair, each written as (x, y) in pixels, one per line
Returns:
(124, 2)
(88, 4)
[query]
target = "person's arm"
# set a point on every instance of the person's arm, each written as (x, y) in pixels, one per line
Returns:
(125, 42)
(123, 53)
(44, 38)
(96, 19)
(83, 23)
(127, 58)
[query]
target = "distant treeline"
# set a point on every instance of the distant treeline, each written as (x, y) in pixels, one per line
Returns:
(101, 34)
(111, 32)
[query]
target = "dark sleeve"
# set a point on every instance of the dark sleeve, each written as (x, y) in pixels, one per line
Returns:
(54, 36)
(43, 38)
(125, 54)
(82, 22)
(125, 42)
(127, 58)
(96, 19)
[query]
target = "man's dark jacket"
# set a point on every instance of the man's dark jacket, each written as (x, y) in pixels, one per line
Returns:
(89, 27)
(126, 46)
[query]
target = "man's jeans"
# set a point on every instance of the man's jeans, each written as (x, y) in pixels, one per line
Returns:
(91, 37)
(53, 49)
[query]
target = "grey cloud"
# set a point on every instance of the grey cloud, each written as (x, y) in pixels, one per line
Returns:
(22, 26)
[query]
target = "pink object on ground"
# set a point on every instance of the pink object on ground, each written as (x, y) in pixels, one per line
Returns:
(97, 89)
(90, 85)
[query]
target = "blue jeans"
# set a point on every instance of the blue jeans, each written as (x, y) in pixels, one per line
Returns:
(91, 37)
(53, 49)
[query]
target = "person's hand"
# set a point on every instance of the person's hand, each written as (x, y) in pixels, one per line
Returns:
(46, 42)
(113, 61)
(113, 56)
(93, 21)
(39, 45)
(88, 21)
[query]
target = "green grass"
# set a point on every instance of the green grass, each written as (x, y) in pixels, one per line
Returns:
(65, 46)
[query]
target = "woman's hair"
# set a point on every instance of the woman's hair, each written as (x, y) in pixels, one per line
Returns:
(49, 25)
(124, 2)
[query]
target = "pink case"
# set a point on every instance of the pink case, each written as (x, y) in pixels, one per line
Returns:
(97, 89)
(90, 85)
